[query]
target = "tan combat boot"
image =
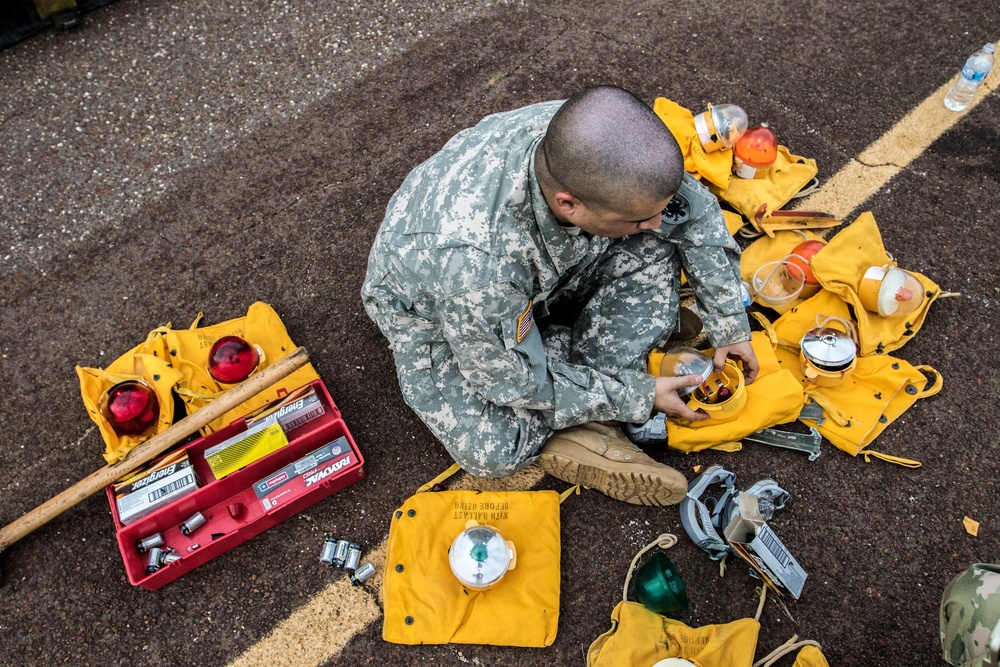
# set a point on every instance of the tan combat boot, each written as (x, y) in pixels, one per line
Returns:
(599, 456)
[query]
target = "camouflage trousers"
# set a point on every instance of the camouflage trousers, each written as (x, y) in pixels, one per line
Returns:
(628, 301)
(970, 614)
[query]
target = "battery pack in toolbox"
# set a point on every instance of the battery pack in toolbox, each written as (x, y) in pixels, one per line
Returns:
(231, 507)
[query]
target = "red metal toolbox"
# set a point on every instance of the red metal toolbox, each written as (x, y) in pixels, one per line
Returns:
(343, 466)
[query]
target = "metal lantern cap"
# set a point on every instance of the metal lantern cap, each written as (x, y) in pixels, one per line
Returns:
(829, 348)
(682, 361)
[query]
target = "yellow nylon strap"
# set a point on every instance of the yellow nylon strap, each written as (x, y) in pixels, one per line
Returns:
(178, 362)
(898, 460)
(768, 328)
(197, 321)
(569, 492)
(936, 384)
(181, 391)
(732, 446)
(831, 410)
(113, 378)
(440, 478)
(158, 331)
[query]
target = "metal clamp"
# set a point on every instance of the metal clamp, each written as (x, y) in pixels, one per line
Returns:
(803, 442)
(813, 412)
(699, 520)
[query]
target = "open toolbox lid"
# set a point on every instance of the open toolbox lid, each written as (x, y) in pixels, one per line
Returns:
(320, 459)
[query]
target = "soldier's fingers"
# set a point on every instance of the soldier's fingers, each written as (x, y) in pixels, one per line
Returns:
(679, 382)
(686, 413)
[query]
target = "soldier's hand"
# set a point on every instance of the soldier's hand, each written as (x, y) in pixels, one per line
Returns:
(744, 352)
(669, 402)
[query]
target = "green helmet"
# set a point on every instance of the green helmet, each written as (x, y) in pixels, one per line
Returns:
(970, 618)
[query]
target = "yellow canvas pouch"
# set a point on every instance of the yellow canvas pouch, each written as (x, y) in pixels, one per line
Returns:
(840, 266)
(789, 174)
(876, 393)
(775, 397)
(641, 637)
(175, 362)
(144, 362)
(188, 351)
(767, 249)
(426, 604)
(810, 656)
(715, 167)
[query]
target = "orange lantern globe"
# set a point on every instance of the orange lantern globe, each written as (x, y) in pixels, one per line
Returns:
(801, 257)
(755, 152)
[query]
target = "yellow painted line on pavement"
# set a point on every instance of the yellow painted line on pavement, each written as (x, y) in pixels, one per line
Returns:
(319, 631)
(892, 152)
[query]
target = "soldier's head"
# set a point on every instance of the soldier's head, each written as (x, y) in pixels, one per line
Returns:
(607, 163)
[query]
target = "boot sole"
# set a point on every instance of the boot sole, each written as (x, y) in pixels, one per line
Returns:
(633, 483)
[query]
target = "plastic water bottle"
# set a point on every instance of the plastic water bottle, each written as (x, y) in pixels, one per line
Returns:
(746, 294)
(976, 68)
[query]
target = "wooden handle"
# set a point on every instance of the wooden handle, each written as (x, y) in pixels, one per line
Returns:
(152, 448)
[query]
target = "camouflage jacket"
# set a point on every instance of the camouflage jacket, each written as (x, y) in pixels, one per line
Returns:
(468, 249)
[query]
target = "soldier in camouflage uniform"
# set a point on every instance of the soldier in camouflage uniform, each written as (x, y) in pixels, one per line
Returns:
(583, 202)
(970, 618)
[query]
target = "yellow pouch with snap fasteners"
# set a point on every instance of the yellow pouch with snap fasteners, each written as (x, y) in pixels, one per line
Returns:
(876, 393)
(141, 364)
(840, 268)
(641, 637)
(426, 603)
(786, 177)
(715, 167)
(174, 363)
(188, 351)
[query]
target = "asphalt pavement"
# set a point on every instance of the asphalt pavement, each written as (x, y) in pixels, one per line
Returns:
(170, 158)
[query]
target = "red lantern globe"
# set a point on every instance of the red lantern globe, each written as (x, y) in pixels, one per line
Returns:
(232, 360)
(131, 407)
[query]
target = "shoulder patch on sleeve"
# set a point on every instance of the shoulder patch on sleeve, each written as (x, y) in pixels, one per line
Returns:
(525, 321)
(677, 210)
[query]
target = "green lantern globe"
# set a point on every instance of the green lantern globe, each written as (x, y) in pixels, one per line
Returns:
(659, 588)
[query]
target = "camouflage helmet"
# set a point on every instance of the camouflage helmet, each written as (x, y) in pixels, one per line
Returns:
(970, 617)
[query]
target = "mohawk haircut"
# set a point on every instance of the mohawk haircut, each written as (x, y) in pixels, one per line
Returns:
(606, 147)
